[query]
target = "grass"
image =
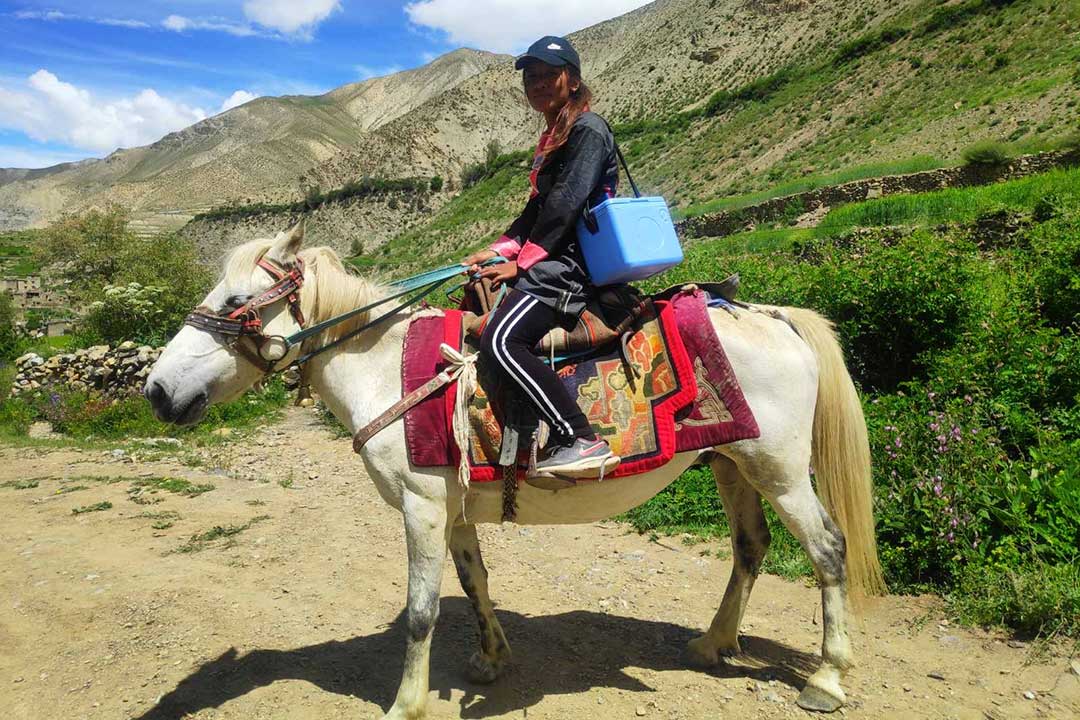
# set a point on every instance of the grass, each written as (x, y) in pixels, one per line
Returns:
(96, 507)
(1022, 598)
(178, 486)
(89, 420)
(692, 505)
(957, 205)
(160, 515)
(201, 541)
(28, 484)
(792, 187)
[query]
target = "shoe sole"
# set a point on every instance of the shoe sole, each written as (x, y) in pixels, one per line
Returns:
(544, 481)
(587, 468)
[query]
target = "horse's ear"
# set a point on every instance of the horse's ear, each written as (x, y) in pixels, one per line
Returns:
(287, 244)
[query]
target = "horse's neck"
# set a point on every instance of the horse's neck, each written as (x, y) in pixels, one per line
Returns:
(361, 379)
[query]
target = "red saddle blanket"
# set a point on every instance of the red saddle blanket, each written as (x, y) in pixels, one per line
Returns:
(686, 398)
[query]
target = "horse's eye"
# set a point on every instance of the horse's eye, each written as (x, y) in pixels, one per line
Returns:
(236, 301)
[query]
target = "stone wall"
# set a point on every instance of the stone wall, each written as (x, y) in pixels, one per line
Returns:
(111, 372)
(369, 221)
(730, 222)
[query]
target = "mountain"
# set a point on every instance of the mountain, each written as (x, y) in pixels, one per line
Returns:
(258, 151)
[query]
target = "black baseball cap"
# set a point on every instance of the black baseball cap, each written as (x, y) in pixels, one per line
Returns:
(553, 50)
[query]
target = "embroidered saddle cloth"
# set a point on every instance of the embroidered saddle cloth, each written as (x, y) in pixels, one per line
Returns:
(669, 389)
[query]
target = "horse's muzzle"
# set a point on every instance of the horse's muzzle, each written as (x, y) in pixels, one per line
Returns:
(166, 410)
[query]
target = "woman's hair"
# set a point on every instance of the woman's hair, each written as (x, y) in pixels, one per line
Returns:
(578, 103)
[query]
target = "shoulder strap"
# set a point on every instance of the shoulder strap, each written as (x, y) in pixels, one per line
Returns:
(618, 152)
(633, 185)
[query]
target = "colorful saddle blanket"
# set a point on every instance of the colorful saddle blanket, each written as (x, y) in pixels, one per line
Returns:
(681, 394)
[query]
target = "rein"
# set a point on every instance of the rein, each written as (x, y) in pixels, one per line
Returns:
(269, 350)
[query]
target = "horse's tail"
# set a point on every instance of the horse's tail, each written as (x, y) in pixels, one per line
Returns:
(841, 453)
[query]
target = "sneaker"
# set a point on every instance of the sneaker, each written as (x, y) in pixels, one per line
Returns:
(583, 458)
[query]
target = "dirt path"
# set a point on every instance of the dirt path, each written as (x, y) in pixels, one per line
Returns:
(297, 615)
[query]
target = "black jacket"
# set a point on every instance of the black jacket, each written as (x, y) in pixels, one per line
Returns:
(584, 170)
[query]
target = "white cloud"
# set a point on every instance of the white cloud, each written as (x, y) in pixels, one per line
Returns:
(55, 15)
(179, 23)
(365, 72)
(51, 110)
(12, 156)
(292, 17)
(237, 99)
(502, 26)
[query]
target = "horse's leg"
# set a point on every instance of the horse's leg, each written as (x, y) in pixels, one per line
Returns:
(749, 542)
(494, 653)
(426, 538)
(803, 514)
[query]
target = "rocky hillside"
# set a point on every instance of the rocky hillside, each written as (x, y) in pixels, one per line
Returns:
(433, 120)
(879, 94)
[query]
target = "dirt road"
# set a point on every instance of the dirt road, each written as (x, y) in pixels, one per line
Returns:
(289, 606)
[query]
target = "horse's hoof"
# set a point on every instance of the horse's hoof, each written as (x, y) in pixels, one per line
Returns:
(481, 670)
(818, 700)
(701, 653)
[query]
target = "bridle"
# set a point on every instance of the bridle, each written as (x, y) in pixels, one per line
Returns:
(265, 351)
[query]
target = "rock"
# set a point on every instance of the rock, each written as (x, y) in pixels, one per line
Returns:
(40, 430)
(640, 711)
(97, 352)
(772, 697)
(1017, 644)
(949, 640)
(126, 346)
(1074, 665)
(29, 360)
(935, 675)
(1029, 695)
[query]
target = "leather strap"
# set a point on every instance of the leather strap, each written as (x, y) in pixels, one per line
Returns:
(399, 408)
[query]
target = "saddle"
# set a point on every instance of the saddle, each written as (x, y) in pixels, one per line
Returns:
(616, 313)
(610, 316)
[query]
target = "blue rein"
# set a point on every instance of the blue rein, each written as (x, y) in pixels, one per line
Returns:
(426, 283)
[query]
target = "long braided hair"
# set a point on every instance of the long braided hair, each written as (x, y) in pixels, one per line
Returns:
(578, 103)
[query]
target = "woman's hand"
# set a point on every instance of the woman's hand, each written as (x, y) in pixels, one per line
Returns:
(473, 261)
(501, 273)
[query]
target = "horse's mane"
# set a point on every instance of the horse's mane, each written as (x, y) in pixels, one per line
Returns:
(336, 290)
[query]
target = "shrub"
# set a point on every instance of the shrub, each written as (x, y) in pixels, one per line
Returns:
(986, 154)
(142, 286)
(12, 343)
(1040, 599)
(436, 184)
(1056, 270)
(126, 312)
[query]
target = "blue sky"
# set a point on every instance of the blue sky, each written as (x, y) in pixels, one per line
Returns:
(78, 83)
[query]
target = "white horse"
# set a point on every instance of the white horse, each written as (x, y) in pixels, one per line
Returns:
(795, 383)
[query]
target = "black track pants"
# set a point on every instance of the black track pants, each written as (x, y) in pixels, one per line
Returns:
(511, 333)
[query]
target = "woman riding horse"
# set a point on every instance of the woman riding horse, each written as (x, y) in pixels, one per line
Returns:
(574, 164)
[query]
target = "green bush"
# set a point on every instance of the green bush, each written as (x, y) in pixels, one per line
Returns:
(12, 343)
(137, 289)
(970, 359)
(1056, 270)
(986, 154)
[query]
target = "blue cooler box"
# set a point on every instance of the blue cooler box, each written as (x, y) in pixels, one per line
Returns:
(635, 239)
